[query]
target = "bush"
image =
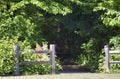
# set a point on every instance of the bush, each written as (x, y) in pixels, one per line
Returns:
(8, 62)
(91, 55)
(114, 44)
(7, 57)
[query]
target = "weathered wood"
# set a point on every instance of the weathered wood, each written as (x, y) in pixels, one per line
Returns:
(35, 62)
(52, 54)
(114, 62)
(35, 51)
(42, 51)
(17, 59)
(107, 56)
(51, 61)
(106, 48)
(114, 52)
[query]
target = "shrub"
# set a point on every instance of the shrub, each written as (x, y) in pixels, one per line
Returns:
(7, 57)
(114, 44)
(91, 54)
(8, 62)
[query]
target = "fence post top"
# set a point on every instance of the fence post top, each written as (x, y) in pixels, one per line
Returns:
(106, 46)
(52, 44)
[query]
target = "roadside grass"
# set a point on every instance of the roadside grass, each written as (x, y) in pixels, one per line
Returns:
(68, 76)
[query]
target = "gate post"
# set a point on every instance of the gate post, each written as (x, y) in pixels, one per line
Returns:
(17, 59)
(107, 62)
(52, 58)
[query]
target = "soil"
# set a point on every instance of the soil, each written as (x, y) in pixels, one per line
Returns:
(71, 67)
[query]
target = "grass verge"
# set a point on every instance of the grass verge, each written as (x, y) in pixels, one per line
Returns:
(68, 76)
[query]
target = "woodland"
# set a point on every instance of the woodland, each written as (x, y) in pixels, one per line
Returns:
(78, 28)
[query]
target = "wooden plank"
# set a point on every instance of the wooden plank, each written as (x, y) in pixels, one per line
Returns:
(51, 61)
(35, 51)
(35, 62)
(106, 48)
(17, 59)
(52, 58)
(114, 52)
(114, 62)
(42, 51)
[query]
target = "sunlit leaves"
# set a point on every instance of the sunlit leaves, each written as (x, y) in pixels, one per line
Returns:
(48, 6)
(16, 26)
(111, 15)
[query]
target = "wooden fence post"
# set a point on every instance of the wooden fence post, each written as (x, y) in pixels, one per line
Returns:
(17, 59)
(52, 58)
(107, 62)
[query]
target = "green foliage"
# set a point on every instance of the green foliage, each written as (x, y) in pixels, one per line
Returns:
(9, 27)
(92, 30)
(101, 64)
(48, 6)
(115, 45)
(7, 55)
(78, 31)
(34, 69)
(8, 62)
(22, 22)
(111, 12)
(92, 56)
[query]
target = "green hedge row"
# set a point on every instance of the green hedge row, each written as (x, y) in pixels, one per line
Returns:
(8, 62)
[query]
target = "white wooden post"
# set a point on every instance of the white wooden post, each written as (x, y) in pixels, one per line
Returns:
(17, 59)
(107, 61)
(52, 56)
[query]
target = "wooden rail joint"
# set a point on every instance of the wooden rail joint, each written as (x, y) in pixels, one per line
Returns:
(107, 57)
(51, 61)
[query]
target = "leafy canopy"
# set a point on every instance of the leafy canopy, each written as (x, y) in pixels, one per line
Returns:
(111, 9)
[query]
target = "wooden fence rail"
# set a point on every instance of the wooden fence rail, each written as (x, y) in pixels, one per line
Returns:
(51, 61)
(107, 57)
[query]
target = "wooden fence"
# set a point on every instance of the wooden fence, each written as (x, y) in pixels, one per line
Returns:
(107, 57)
(51, 61)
